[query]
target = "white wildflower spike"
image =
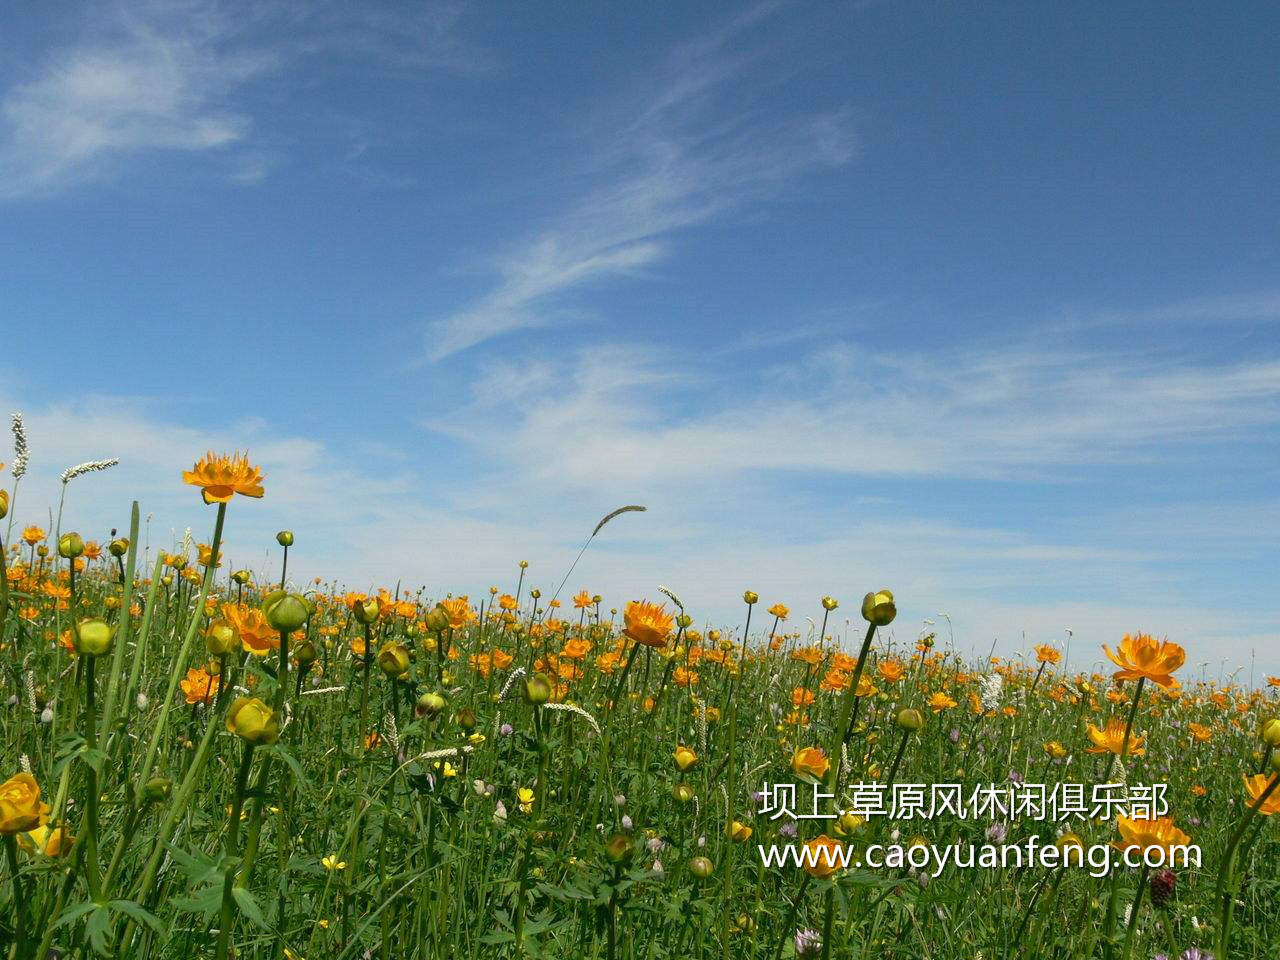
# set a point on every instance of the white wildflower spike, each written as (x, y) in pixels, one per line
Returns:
(671, 596)
(312, 693)
(570, 708)
(25, 763)
(92, 466)
(992, 687)
(21, 455)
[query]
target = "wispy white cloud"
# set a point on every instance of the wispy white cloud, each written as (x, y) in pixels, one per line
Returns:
(692, 148)
(149, 78)
(639, 416)
(155, 76)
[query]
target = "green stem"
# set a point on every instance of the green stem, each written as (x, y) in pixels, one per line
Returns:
(227, 918)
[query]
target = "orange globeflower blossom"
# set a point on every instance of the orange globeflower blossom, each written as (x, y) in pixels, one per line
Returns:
(1143, 834)
(810, 655)
(20, 807)
(581, 600)
(256, 635)
(891, 671)
(801, 697)
(1047, 654)
(199, 685)
(836, 680)
(647, 623)
(502, 659)
(939, 701)
(823, 856)
(458, 610)
(1273, 681)
(1256, 786)
(220, 477)
(1143, 656)
(507, 602)
(32, 535)
(577, 648)
(810, 762)
(1199, 732)
(684, 678)
(780, 611)
(1111, 740)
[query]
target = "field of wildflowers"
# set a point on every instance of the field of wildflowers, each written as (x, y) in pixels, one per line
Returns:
(203, 762)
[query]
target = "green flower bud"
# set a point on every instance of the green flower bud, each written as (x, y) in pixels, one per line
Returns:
(286, 612)
(879, 608)
(701, 867)
(910, 720)
(430, 704)
(538, 688)
(93, 637)
(393, 658)
(70, 546)
(119, 546)
(157, 789)
(466, 718)
(366, 611)
(285, 538)
(620, 848)
(1271, 732)
(221, 638)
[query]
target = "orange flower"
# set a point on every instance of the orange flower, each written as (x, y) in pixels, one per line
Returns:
(1158, 834)
(199, 685)
(824, 856)
(801, 697)
(32, 535)
(1273, 681)
(256, 635)
(809, 655)
(1142, 655)
(576, 649)
(220, 477)
(647, 623)
(891, 671)
(780, 611)
(1111, 740)
(20, 806)
(581, 600)
(1256, 786)
(1199, 732)
(502, 659)
(938, 702)
(810, 762)
(1047, 654)
(458, 610)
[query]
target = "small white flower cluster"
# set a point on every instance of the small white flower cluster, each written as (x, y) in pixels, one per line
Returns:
(992, 688)
(91, 466)
(21, 455)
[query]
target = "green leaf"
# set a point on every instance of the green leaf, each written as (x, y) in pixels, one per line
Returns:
(249, 907)
(131, 909)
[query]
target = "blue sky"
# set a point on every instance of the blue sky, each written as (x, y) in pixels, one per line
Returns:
(976, 302)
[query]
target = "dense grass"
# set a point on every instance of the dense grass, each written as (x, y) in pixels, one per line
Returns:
(421, 802)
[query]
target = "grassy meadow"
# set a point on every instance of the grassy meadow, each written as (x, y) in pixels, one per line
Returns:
(200, 761)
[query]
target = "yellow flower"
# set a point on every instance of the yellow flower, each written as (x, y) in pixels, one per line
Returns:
(647, 623)
(1046, 653)
(332, 863)
(780, 611)
(253, 720)
(1255, 786)
(52, 843)
(222, 476)
(939, 701)
(199, 686)
(1143, 656)
(1157, 834)
(825, 856)
(1111, 740)
(685, 758)
(20, 806)
(525, 796)
(738, 832)
(810, 762)
(32, 535)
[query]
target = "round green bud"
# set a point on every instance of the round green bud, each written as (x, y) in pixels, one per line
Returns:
(157, 789)
(910, 720)
(286, 612)
(285, 538)
(93, 637)
(701, 867)
(70, 546)
(537, 688)
(879, 608)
